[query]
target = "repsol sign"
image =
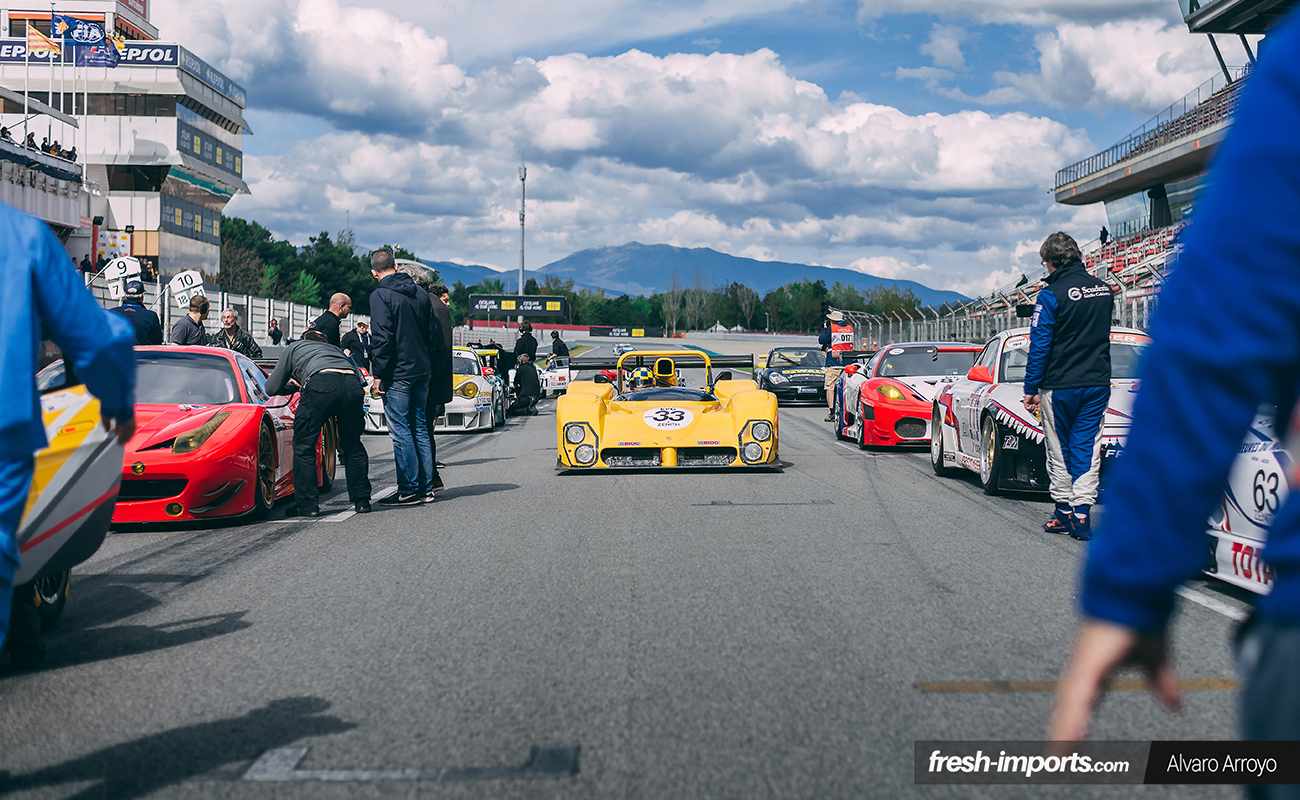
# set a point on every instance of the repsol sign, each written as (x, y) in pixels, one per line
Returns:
(137, 54)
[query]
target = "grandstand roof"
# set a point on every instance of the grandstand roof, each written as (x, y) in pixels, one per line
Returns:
(1233, 16)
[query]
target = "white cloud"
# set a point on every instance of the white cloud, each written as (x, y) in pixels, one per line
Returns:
(944, 46)
(890, 267)
(1022, 12)
(729, 151)
(1143, 65)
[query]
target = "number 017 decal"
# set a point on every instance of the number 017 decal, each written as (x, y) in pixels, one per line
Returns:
(668, 418)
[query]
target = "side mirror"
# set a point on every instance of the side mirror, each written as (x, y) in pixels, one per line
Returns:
(980, 375)
(723, 376)
(601, 378)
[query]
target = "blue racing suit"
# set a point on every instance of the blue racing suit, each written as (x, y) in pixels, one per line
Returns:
(1225, 340)
(1069, 368)
(42, 296)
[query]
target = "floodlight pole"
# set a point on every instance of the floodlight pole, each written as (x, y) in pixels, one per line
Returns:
(523, 193)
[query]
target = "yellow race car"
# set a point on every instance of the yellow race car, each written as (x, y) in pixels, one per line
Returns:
(644, 417)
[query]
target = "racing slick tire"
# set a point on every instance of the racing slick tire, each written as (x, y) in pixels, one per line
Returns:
(264, 490)
(49, 595)
(329, 455)
(936, 445)
(990, 458)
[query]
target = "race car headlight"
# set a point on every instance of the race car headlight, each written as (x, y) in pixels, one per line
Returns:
(467, 389)
(574, 434)
(890, 392)
(752, 451)
(189, 442)
(761, 431)
(777, 377)
(585, 454)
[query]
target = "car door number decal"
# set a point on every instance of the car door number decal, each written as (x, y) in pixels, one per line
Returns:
(668, 418)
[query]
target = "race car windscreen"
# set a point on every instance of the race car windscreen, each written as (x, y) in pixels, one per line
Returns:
(1124, 358)
(464, 365)
(797, 357)
(923, 362)
(184, 379)
(666, 394)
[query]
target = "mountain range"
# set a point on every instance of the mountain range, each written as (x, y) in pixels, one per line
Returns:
(644, 269)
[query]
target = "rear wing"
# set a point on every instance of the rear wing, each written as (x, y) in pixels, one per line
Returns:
(682, 358)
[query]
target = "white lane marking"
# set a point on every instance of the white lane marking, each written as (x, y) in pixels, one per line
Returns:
(375, 497)
(852, 447)
(1215, 605)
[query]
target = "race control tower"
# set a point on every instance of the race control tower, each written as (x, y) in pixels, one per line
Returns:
(159, 139)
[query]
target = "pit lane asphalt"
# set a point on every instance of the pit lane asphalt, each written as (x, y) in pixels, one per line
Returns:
(732, 635)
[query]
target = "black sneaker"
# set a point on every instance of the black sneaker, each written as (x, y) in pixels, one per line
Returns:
(412, 499)
(294, 511)
(429, 498)
(439, 465)
(362, 506)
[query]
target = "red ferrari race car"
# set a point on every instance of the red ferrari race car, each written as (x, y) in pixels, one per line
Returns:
(887, 400)
(210, 442)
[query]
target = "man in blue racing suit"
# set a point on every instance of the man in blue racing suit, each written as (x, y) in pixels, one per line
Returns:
(1067, 380)
(1225, 340)
(43, 297)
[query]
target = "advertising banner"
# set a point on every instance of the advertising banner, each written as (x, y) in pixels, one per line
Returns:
(136, 54)
(224, 86)
(204, 147)
(113, 244)
(140, 7)
(509, 305)
(189, 220)
(628, 333)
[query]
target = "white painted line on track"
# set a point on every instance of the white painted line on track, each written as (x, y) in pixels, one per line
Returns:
(1215, 605)
(852, 447)
(375, 497)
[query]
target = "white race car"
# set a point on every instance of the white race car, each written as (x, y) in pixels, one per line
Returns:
(555, 376)
(1257, 488)
(983, 426)
(478, 402)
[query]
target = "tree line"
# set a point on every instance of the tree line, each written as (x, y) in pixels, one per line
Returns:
(799, 306)
(254, 262)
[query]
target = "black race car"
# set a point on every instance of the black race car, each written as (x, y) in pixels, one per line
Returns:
(794, 375)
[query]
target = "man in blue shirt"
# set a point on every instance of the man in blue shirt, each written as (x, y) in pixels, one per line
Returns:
(43, 297)
(1225, 340)
(1067, 380)
(148, 328)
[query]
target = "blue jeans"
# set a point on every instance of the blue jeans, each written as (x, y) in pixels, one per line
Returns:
(15, 480)
(404, 406)
(1267, 654)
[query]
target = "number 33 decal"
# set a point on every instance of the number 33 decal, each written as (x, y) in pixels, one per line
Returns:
(668, 418)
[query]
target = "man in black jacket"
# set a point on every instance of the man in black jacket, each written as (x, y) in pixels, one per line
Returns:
(441, 382)
(356, 345)
(558, 347)
(148, 329)
(526, 343)
(528, 387)
(404, 333)
(330, 387)
(1067, 380)
(233, 337)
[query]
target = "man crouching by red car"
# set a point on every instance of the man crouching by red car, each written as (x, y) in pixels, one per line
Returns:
(330, 386)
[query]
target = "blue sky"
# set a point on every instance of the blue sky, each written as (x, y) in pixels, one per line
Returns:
(904, 138)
